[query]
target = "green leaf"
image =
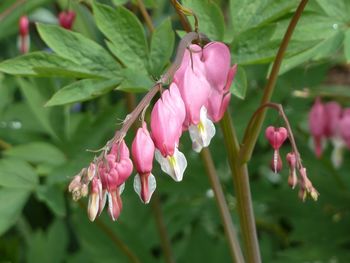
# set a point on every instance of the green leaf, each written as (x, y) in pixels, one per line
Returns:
(211, 19)
(239, 84)
(83, 51)
(53, 197)
(54, 243)
(83, 90)
(37, 152)
(162, 46)
(124, 30)
(135, 82)
(247, 14)
(11, 206)
(347, 45)
(17, 174)
(42, 64)
(317, 52)
(335, 9)
(119, 2)
(36, 98)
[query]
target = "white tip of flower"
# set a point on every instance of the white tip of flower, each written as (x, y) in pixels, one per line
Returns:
(174, 165)
(93, 206)
(121, 188)
(148, 189)
(202, 133)
(337, 153)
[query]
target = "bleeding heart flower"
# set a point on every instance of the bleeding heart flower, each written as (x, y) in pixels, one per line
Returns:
(23, 42)
(276, 137)
(167, 118)
(66, 19)
(317, 123)
(142, 153)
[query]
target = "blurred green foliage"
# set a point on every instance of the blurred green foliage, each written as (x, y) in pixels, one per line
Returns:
(82, 76)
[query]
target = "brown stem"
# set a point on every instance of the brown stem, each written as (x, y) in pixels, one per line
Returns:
(165, 241)
(9, 10)
(118, 242)
(231, 235)
(145, 15)
(183, 19)
(242, 191)
(4, 145)
(251, 135)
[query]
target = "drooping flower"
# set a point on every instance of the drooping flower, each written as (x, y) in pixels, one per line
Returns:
(142, 154)
(108, 182)
(66, 19)
(23, 38)
(292, 163)
(167, 118)
(276, 137)
(317, 123)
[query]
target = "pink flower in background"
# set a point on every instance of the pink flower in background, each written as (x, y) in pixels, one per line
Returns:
(142, 154)
(23, 38)
(66, 19)
(333, 113)
(276, 137)
(317, 123)
(344, 127)
(167, 118)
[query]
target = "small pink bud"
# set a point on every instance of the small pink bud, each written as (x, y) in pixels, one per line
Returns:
(91, 172)
(66, 19)
(292, 163)
(143, 150)
(23, 25)
(276, 136)
(317, 123)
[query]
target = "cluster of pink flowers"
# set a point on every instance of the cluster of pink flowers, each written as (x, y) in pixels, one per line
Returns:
(65, 20)
(197, 97)
(276, 137)
(329, 121)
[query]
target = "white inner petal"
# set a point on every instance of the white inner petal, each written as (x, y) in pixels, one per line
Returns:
(172, 165)
(202, 133)
(121, 188)
(110, 206)
(338, 151)
(151, 187)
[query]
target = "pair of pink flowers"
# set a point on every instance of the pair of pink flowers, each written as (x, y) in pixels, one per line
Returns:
(330, 121)
(197, 97)
(65, 20)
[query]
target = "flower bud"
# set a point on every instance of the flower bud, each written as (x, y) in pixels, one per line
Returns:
(292, 163)
(66, 19)
(94, 198)
(23, 25)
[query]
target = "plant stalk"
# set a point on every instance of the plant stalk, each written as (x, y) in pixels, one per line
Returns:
(231, 235)
(242, 191)
(251, 135)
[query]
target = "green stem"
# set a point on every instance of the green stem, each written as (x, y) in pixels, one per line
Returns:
(242, 191)
(234, 246)
(251, 135)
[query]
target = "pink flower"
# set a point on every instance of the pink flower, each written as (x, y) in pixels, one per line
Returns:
(167, 118)
(108, 182)
(220, 74)
(332, 112)
(344, 127)
(23, 39)
(317, 123)
(142, 153)
(204, 80)
(66, 19)
(276, 137)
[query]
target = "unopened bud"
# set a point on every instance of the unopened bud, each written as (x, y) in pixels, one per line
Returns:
(292, 162)
(84, 190)
(75, 184)
(91, 172)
